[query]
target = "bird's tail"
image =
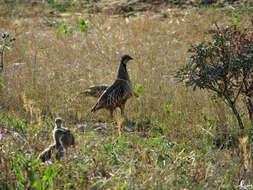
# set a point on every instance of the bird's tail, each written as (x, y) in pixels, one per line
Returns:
(46, 154)
(89, 92)
(86, 92)
(95, 91)
(93, 109)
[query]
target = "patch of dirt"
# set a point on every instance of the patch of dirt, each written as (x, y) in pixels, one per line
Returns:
(127, 126)
(112, 7)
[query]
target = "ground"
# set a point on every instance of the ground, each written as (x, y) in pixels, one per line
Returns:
(175, 138)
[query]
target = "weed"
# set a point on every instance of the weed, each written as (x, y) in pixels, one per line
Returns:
(64, 30)
(168, 108)
(62, 6)
(138, 89)
(6, 42)
(83, 25)
(235, 20)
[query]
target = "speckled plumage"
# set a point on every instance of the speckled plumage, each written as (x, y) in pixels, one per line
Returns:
(97, 91)
(118, 93)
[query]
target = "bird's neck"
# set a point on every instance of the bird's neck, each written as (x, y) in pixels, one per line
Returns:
(57, 135)
(122, 72)
(57, 126)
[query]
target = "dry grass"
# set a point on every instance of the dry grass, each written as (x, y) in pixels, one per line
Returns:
(44, 73)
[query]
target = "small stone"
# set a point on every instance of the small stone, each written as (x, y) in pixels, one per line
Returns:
(100, 124)
(143, 125)
(128, 123)
(83, 128)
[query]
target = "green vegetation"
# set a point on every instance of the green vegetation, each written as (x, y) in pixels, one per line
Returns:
(61, 6)
(5, 42)
(224, 66)
(83, 25)
(64, 30)
(177, 137)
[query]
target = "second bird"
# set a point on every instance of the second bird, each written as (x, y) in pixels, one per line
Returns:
(118, 93)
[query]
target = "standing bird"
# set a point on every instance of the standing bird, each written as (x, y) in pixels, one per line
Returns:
(118, 93)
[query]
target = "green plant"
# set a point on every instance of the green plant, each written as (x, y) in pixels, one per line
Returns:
(1, 83)
(63, 30)
(168, 108)
(18, 124)
(138, 89)
(83, 25)
(113, 151)
(31, 175)
(62, 6)
(223, 65)
(6, 42)
(235, 20)
(4, 184)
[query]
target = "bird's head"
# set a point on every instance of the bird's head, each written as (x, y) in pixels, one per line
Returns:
(125, 59)
(58, 122)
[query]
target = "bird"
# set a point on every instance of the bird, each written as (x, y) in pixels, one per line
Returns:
(118, 93)
(63, 138)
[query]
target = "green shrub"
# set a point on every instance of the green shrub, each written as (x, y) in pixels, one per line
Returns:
(6, 42)
(223, 65)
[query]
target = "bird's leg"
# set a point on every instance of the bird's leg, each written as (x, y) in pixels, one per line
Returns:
(66, 152)
(111, 114)
(122, 108)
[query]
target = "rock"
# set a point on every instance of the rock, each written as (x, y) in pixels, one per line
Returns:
(128, 123)
(143, 125)
(99, 125)
(82, 128)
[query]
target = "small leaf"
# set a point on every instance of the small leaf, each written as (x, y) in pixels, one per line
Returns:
(35, 162)
(168, 107)
(160, 160)
(83, 25)
(18, 170)
(138, 89)
(57, 32)
(23, 161)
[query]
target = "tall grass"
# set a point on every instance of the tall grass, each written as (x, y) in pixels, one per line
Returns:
(45, 73)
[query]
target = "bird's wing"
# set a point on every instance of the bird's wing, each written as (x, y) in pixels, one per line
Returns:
(115, 93)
